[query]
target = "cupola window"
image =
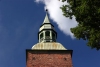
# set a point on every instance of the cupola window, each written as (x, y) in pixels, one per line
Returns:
(41, 35)
(53, 36)
(47, 33)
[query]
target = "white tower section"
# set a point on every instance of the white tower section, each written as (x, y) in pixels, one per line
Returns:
(47, 32)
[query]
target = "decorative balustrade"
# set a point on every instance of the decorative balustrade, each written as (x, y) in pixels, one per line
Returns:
(47, 37)
(41, 39)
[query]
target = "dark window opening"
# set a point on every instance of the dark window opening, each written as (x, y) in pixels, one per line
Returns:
(53, 35)
(47, 33)
(41, 35)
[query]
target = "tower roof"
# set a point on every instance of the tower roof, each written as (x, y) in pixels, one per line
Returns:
(46, 20)
(46, 23)
(49, 46)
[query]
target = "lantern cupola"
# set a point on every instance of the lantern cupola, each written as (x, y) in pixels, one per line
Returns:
(47, 32)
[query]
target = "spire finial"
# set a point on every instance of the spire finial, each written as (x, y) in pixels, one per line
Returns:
(46, 11)
(46, 8)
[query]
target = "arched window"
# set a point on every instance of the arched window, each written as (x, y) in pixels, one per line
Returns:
(53, 35)
(47, 33)
(41, 35)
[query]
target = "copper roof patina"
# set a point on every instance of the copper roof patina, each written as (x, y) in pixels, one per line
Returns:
(49, 46)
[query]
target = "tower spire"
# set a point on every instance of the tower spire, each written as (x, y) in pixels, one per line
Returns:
(47, 32)
(46, 20)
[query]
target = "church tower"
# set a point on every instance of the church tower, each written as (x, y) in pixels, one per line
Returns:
(48, 52)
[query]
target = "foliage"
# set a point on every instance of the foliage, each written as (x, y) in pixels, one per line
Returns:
(87, 14)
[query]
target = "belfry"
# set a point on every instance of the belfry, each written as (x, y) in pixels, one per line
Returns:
(48, 52)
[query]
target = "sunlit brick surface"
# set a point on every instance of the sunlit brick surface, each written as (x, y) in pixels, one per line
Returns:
(48, 59)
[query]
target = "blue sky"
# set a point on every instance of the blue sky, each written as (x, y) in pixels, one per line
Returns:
(19, 25)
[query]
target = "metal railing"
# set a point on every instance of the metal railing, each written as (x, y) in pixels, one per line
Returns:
(41, 39)
(47, 37)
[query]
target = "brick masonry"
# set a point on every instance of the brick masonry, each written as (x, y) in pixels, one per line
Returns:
(48, 58)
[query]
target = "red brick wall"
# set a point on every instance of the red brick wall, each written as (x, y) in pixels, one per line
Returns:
(48, 59)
